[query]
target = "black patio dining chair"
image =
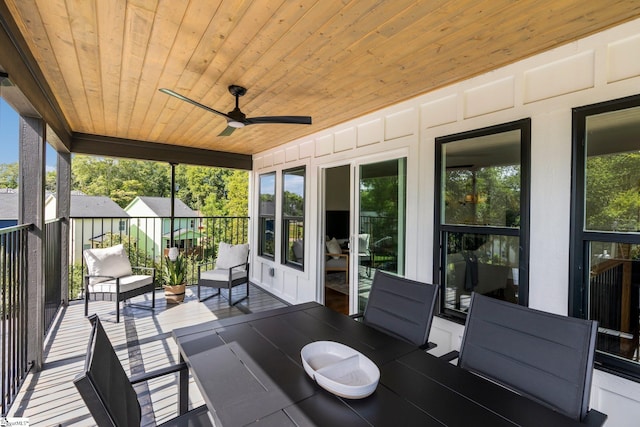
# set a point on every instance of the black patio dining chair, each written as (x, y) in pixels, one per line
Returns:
(544, 356)
(401, 307)
(109, 393)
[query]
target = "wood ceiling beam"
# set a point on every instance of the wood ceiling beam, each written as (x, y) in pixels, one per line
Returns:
(98, 145)
(26, 75)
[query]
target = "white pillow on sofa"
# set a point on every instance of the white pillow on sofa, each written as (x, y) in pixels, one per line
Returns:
(112, 261)
(231, 255)
(333, 247)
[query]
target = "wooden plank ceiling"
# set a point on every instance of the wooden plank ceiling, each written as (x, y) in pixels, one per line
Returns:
(104, 61)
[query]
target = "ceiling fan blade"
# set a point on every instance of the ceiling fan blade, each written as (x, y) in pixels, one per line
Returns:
(192, 102)
(227, 131)
(296, 120)
(236, 118)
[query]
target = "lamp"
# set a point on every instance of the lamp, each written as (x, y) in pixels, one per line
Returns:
(173, 254)
(471, 198)
(235, 124)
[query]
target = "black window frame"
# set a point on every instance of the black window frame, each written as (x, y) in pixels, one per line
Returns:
(265, 217)
(286, 219)
(580, 238)
(439, 243)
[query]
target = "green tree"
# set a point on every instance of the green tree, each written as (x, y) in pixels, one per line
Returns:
(213, 191)
(613, 192)
(50, 181)
(483, 196)
(9, 175)
(236, 201)
(120, 179)
(201, 186)
(380, 202)
(146, 177)
(92, 175)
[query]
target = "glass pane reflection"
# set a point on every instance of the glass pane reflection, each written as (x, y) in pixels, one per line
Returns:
(614, 297)
(483, 263)
(481, 182)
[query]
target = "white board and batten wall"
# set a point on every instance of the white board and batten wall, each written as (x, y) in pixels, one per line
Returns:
(545, 88)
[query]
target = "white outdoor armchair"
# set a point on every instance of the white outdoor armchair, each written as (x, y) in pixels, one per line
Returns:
(229, 269)
(110, 277)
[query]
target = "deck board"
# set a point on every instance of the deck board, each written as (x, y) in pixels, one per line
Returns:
(142, 341)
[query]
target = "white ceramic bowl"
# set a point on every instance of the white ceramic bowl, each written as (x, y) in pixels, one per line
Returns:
(340, 369)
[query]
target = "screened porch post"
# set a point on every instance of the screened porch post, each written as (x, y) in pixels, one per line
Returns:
(173, 202)
(32, 139)
(63, 210)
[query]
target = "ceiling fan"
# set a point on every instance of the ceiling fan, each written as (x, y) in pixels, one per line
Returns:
(236, 118)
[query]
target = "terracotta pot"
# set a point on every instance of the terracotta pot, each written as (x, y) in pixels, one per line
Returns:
(174, 294)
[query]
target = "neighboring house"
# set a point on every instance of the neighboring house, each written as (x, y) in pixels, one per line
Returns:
(92, 218)
(151, 217)
(8, 207)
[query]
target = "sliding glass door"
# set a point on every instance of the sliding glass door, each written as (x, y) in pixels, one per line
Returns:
(364, 228)
(380, 225)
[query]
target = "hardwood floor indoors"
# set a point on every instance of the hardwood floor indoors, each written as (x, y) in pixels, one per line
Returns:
(336, 301)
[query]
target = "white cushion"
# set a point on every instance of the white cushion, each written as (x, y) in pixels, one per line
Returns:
(112, 261)
(231, 255)
(363, 243)
(333, 247)
(127, 283)
(340, 262)
(222, 274)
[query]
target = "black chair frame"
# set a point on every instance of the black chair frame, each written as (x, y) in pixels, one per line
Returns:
(109, 394)
(228, 284)
(533, 353)
(120, 296)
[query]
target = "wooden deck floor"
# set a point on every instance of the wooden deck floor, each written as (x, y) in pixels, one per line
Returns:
(143, 342)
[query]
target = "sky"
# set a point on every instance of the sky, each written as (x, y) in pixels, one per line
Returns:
(9, 137)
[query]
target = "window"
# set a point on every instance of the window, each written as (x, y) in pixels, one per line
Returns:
(293, 217)
(605, 250)
(482, 218)
(267, 214)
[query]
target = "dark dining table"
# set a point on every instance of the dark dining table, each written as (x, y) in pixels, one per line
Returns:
(249, 371)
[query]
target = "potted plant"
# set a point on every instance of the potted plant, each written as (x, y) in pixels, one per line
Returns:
(175, 272)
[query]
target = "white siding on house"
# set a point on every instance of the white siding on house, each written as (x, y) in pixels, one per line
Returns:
(145, 222)
(151, 222)
(545, 88)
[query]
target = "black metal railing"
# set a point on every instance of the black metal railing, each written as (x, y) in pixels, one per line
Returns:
(613, 301)
(13, 311)
(605, 295)
(147, 240)
(52, 271)
(147, 244)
